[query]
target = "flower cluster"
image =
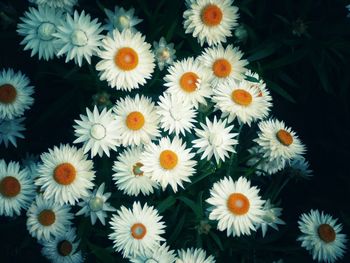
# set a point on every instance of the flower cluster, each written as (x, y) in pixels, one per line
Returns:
(208, 103)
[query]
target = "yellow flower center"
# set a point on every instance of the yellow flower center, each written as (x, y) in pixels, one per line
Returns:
(238, 204)
(126, 59)
(47, 217)
(222, 68)
(212, 15)
(284, 137)
(168, 159)
(64, 248)
(8, 93)
(135, 120)
(10, 187)
(64, 173)
(326, 233)
(241, 97)
(138, 230)
(188, 81)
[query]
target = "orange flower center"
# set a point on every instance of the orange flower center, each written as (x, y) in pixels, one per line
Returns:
(168, 159)
(241, 97)
(8, 93)
(47, 217)
(238, 204)
(326, 233)
(211, 15)
(135, 120)
(64, 173)
(222, 68)
(138, 230)
(188, 81)
(64, 248)
(284, 137)
(10, 186)
(136, 169)
(126, 59)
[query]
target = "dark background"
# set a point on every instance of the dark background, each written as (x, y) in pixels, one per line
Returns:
(301, 49)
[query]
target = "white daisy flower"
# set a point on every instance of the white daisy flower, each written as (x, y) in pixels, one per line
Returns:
(137, 120)
(263, 165)
(121, 19)
(47, 219)
(240, 100)
(164, 53)
(128, 175)
(224, 63)
(98, 132)
(215, 138)
(168, 163)
(159, 254)
(194, 255)
(37, 27)
(96, 205)
(236, 206)
(16, 189)
(126, 60)
(136, 231)
(211, 21)
(189, 80)
(278, 142)
(321, 236)
(65, 174)
(15, 94)
(66, 5)
(176, 115)
(78, 37)
(300, 167)
(63, 248)
(10, 130)
(270, 217)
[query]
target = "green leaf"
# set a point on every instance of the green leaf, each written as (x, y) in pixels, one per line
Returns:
(278, 89)
(195, 208)
(177, 229)
(101, 253)
(166, 203)
(263, 52)
(217, 240)
(287, 60)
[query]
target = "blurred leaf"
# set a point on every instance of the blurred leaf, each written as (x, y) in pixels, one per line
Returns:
(101, 253)
(191, 204)
(286, 60)
(217, 240)
(177, 229)
(278, 89)
(166, 203)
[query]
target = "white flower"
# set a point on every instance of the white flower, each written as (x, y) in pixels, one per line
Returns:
(299, 166)
(224, 63)
(65, 174)
(211, 21)
(136, 231)
(121, 19)
(98, 132)
(159, 254)
(176, 116)
(321, 236)
(137, 120)
(240, 100)
(128, 175)
(189, 81)
(78, 37)
(96, 205)
(47, 219)
(236, 206)
(16, 189)
(194, 255)
(15, 94)
(168, 163)
(37, 27)
(126, 60)
(278, 142)
(10, 130)
(63, 248)
(164, 53)
(256, 82)
(215, 139)
(270, 218)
